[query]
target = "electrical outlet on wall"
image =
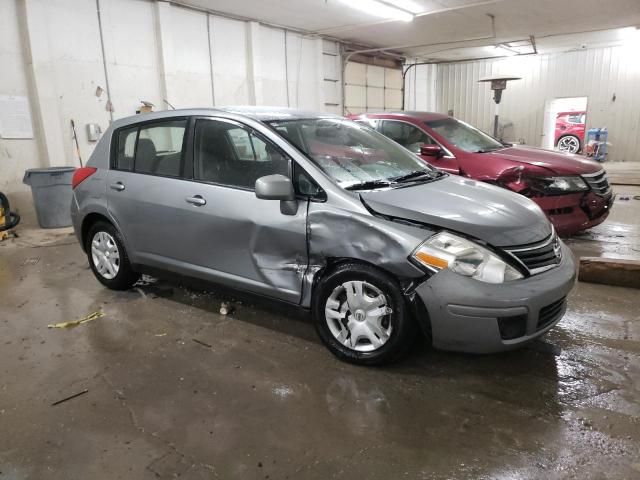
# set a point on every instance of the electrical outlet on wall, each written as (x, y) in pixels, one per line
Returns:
(93, 132)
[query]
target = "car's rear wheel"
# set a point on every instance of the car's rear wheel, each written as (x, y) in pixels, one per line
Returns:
(361, 316)
(108, 258)
(569, 144)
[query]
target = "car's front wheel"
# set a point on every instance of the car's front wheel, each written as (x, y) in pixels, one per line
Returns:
(108, 258)
(569, 144)
(361, 315)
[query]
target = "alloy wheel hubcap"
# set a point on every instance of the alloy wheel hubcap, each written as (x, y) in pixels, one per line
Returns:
(568, 144)
(358, 316)
(105, 255)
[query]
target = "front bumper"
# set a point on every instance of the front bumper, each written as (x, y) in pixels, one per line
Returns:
(574, 212)
(465, 314)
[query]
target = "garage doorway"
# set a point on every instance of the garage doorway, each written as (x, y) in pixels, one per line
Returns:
(564, 124)
(372, 88)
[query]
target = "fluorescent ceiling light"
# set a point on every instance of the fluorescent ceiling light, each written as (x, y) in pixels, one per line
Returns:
(381, 9)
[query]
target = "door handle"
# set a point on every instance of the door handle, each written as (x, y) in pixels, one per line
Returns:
(196, 200)
(118, 186)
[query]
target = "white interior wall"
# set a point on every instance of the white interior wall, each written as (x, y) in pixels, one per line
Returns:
(609, 77)
(185, 56)
(304, 72)
(270, 63)
(15, 155)
(133, 66)
(50, 52)
(66, 67)
(229, 57)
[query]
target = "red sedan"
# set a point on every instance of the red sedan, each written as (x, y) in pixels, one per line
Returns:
(573, 191)
(569, 135)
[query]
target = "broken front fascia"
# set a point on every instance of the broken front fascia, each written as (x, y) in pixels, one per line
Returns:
(334, 234)
(570, 211)
(531, 184)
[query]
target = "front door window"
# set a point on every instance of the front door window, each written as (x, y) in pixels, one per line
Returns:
(407, 135)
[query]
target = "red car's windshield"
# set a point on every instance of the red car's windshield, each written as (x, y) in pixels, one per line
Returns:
(352, 154)
(464, 136)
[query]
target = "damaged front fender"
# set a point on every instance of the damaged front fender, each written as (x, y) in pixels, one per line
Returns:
(334, 233)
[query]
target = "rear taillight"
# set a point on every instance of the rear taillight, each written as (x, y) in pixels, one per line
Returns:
(81, 174)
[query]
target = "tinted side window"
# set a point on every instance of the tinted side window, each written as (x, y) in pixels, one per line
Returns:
(228, 154)
(126, 148)
(370, 122)
(159, 149)
(408, 136)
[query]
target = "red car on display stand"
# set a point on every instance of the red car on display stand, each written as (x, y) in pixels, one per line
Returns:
(573, 191)
(570, 129)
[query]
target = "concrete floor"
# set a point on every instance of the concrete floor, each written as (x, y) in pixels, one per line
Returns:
(175, 389)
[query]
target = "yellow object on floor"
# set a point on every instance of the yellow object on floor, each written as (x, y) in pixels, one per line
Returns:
(8, 219)
(3, 221)
(75, 323)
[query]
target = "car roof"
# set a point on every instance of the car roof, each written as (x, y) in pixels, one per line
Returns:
(414, 115)
(266, 114)
(262, 114)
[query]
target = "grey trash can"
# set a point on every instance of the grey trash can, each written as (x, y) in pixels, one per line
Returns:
(51, 190)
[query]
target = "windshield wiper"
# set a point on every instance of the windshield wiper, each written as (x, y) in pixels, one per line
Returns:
(369, 184)
(415, 174)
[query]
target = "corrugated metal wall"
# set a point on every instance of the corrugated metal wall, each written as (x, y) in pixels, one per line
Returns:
(420, 88)
(598, 74)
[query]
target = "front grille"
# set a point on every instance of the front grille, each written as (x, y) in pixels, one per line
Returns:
(560, 211)
(551, 313)
(540, 256)
(598, 182)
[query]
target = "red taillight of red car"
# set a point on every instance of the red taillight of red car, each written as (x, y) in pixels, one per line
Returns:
(81, 174)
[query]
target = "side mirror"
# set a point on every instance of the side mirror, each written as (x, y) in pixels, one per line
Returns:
(275, 187)
(278, 187)
(431, 150)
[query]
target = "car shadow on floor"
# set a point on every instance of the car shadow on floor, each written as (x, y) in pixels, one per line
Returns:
(536, 360)
(248, 307)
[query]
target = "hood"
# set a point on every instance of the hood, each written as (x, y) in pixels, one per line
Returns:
(496, 215)
(557, 162)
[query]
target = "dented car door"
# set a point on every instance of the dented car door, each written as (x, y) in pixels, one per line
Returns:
(234, 236)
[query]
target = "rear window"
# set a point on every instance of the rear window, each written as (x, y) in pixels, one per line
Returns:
(126, 148)
(152, 148)
(160, 147)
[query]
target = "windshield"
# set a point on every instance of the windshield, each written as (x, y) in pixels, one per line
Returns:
(354, 155)
(464, 136)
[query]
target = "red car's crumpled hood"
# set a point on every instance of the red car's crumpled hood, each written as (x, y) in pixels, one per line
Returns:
(558, 163)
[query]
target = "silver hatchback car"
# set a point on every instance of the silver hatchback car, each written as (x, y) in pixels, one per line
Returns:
(327, 214)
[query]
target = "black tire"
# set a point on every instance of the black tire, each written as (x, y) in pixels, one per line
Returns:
(126, 276)
(403, 328)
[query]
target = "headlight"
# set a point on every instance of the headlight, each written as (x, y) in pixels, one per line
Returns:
(446, 250)
(563, 184)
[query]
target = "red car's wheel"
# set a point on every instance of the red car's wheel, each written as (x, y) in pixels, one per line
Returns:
(569, 144)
